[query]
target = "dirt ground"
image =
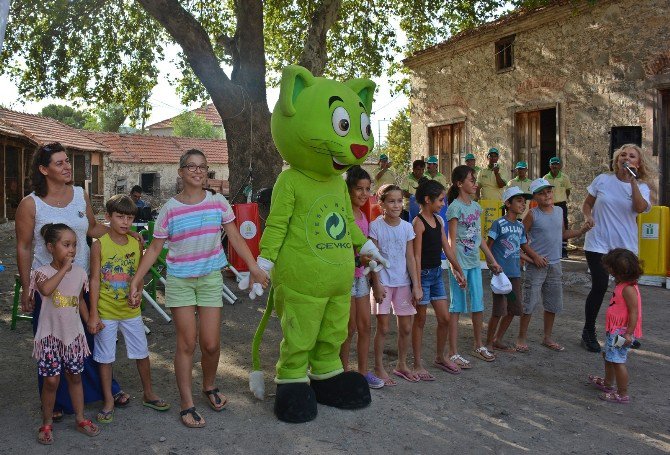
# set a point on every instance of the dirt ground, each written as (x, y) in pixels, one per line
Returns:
(521, 403)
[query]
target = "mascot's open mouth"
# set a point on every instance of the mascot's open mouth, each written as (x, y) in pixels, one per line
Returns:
(339, 166)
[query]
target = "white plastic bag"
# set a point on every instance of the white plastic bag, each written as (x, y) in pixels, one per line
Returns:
(500, 284)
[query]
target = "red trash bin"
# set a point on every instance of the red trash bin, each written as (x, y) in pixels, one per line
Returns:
(248, 222)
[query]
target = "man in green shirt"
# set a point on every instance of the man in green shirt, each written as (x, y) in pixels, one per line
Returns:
(384, 175)
(432, 172)
(409, 185)
(522, 181)
(470, 161)
(562, 187)
(490, 181)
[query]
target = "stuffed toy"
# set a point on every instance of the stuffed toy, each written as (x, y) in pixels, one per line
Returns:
(321, 127)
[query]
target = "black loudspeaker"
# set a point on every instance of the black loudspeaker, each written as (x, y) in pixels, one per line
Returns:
(621, 135)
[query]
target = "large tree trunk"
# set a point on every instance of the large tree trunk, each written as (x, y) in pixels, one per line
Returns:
(250, 145)
(241, 103)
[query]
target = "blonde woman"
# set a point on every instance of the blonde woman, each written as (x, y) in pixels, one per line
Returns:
(614, 200)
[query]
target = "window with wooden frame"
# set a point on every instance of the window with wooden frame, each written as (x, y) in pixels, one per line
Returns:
(505, 53)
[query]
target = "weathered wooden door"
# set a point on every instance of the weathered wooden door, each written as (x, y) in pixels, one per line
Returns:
(664, 146)
(527, 125)
(448, 143)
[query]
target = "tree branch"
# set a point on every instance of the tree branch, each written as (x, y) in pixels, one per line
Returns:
(314, 55)
(197, 47)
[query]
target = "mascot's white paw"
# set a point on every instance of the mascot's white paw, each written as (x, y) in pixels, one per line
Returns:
(256, 289)
(257, 384)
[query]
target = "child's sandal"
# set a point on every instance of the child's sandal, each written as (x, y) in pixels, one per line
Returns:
(44, 435)
(614, 397)
(599, 383)
(88, 428)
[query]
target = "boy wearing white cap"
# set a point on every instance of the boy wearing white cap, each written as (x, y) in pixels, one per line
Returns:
(506, 240)
(544, 226)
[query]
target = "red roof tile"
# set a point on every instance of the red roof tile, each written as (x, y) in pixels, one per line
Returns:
(208, 111)
(42, 130)
(137, 148)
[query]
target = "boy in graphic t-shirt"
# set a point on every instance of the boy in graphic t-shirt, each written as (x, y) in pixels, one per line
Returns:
(114, 260)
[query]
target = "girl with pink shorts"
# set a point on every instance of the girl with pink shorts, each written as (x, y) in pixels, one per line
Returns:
(395, 286)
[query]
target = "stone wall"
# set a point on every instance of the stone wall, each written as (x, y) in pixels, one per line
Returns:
(602, 65)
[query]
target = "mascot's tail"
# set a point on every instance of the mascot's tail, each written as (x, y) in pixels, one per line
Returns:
(256, 381)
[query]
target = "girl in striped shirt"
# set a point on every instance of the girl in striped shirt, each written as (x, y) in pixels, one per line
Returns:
(191, 223)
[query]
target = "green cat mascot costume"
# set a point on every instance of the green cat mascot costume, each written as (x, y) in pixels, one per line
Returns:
(321, 128)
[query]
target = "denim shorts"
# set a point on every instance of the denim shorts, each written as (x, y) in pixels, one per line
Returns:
(432, 285)
(474, 292)
(361, 287)
(614, 354)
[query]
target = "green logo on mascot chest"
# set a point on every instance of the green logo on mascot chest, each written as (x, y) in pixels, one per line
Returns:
(335, 226)
(327, 232)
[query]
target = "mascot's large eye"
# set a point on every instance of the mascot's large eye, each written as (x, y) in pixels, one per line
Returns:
(341, 121)
(366, 129)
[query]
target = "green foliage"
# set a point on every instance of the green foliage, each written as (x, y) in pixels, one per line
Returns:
(107, 52)
(109, 119)
(190, 124)
(66, 114)
(398, 142)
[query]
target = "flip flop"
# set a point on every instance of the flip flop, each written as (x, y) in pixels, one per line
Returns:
(553, 346)
(504, 348)
(405, 375)
(614, 397)
(105, 416)
(218, 404)
(460, 361)
(388, 382)
(425, 376)
(47, 438)
(198, 421)
(445, 367)
(88, 428)
(121, 399)
(599, 383)
(158, 405)
(483, 354)
(522, 348)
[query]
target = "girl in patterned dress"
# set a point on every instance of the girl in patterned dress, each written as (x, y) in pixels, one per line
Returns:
(60, 343)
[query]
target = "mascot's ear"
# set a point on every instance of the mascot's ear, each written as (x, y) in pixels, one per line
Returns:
(294, 79)
(365, 89)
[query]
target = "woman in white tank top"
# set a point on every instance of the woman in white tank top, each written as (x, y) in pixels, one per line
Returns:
(56, 200)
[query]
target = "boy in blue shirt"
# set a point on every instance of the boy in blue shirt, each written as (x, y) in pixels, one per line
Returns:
(507, 242)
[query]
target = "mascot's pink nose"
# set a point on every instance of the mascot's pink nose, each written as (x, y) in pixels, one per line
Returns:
(358, 150)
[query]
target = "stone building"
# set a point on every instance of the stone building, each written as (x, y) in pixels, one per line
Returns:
(572, 79)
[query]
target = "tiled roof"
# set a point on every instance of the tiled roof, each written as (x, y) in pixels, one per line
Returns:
(208, 111)
(137, 148)
(42, 130)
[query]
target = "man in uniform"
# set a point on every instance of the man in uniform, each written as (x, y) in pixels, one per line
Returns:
(490, 180)
(384, 175)
(409, 185)
(470, 161)
(432, 172)
(522, 181)
(562, 187)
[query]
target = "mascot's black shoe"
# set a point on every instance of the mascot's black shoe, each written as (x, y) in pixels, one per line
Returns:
(348, 390)
(295, 402)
